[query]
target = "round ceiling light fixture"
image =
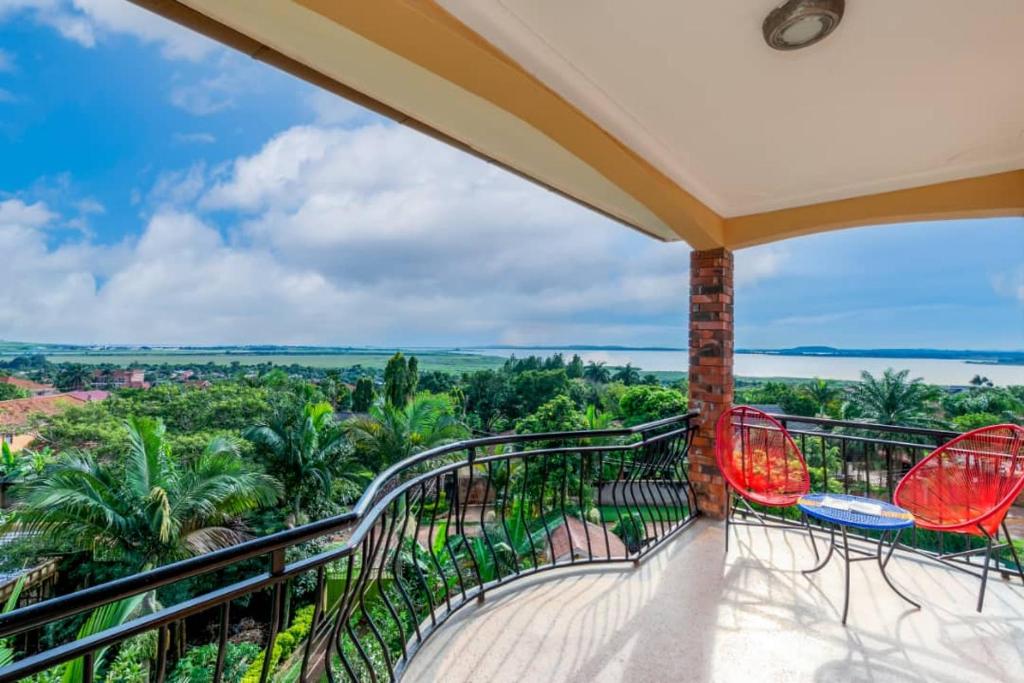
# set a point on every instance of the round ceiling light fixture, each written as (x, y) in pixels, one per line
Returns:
(799, 23)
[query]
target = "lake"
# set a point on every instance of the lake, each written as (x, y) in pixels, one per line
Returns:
(934, 371)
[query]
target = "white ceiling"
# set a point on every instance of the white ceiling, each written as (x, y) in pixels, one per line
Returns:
(904, 93)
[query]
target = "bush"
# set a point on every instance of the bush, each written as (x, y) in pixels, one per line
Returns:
(631, 529)
(198, 664)
(284, 645)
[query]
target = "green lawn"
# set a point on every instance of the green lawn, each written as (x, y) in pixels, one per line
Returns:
(650, 513)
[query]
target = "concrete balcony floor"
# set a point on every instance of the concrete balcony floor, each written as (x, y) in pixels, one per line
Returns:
(691, 613)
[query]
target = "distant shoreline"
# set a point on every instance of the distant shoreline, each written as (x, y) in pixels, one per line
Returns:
(983, 357)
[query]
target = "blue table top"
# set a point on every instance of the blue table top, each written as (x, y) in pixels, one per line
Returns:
(890, 517)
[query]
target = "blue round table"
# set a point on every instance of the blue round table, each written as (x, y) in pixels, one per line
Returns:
(841, 511)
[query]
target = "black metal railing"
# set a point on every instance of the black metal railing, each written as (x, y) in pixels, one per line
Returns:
(868, 459)
(428, 536)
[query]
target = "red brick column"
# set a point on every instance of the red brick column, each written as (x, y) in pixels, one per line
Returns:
(711, 382)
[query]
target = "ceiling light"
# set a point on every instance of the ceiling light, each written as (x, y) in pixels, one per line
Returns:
(799, 23)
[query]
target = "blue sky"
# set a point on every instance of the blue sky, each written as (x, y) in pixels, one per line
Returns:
(157, 188)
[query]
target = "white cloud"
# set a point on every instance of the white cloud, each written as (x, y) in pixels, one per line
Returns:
(368, 236)
(86, 22)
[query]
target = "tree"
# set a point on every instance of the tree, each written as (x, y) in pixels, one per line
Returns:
(306, 450)
(400, 379)
(10, 391)
(149, 510)
(892, 399)
(392, 433)
(822, 393)
(646, 403)
(627, 374)
(437, 381)
(73, 377)
(574, 370)
(597, 372)
(979, 381)
(533, 388)
(362, 397)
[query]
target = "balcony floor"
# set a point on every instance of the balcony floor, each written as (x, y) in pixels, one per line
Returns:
(689, 613)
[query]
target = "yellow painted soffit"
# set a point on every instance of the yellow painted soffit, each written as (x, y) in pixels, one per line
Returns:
(1001, 194)
(424, 34)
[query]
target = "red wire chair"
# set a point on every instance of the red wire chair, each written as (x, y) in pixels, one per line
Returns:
(967, 486)
(761, 464)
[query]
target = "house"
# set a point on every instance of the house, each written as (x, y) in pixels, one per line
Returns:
(33, 388)
(16, 415)
(131, 378)
(575, 538)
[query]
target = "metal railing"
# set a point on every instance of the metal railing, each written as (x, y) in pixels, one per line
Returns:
(429, 535)
(868, 459)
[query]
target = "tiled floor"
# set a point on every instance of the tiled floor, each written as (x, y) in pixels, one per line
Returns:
(691, 613)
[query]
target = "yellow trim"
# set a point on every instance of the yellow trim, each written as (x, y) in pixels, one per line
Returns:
(989, 196)
(428, 36)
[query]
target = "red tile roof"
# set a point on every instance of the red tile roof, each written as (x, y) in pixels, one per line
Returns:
(16, 413)
(571, 537)
(26, 384)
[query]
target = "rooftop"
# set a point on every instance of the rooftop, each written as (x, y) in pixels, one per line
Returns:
(692, 613)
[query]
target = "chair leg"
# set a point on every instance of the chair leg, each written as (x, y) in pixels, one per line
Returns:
(1013, 550)
(984, 571)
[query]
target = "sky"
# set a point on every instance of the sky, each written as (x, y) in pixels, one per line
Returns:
(157, 188)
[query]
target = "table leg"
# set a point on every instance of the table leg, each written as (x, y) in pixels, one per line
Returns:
(883, 563)
(828, 556)
(846, 558)
(810, 532)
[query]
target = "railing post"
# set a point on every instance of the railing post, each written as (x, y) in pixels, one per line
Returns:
(710, 373)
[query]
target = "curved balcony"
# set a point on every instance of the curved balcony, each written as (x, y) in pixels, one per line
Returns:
(429, 536)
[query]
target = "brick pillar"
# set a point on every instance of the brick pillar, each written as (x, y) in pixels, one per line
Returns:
(711, 381)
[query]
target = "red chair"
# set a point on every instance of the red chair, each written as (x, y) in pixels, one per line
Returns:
(967, 486)
(761, 464)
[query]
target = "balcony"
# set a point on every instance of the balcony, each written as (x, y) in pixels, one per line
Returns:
(571, 556)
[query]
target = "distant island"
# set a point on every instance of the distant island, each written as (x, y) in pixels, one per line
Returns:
(979, 357)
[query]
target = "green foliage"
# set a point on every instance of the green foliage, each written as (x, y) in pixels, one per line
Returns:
(631, 529)
(574, 370)
(646, 403)
(73, 377)
(969, 421)
(627, 374)
(390, 433)
(147, 509)
(823, 394)
(133, 658)
(362, 397)
(10, 391)
(559, 414)
(100, 619)
(534, 388)
(438, 381)
(284, 645)
(198, 664)
(306, 450)
(597, 372)
(401, 377)
(892, 399)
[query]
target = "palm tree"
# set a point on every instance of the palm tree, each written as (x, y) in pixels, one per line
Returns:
(892, 400)
(597, 372)
(821, 392)
(73, 376)
(151, 511)
(307, 452)
(391, 433)
(627, 374)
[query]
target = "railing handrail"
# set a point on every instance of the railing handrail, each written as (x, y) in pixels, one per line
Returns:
(40, 613)
(870, 426)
